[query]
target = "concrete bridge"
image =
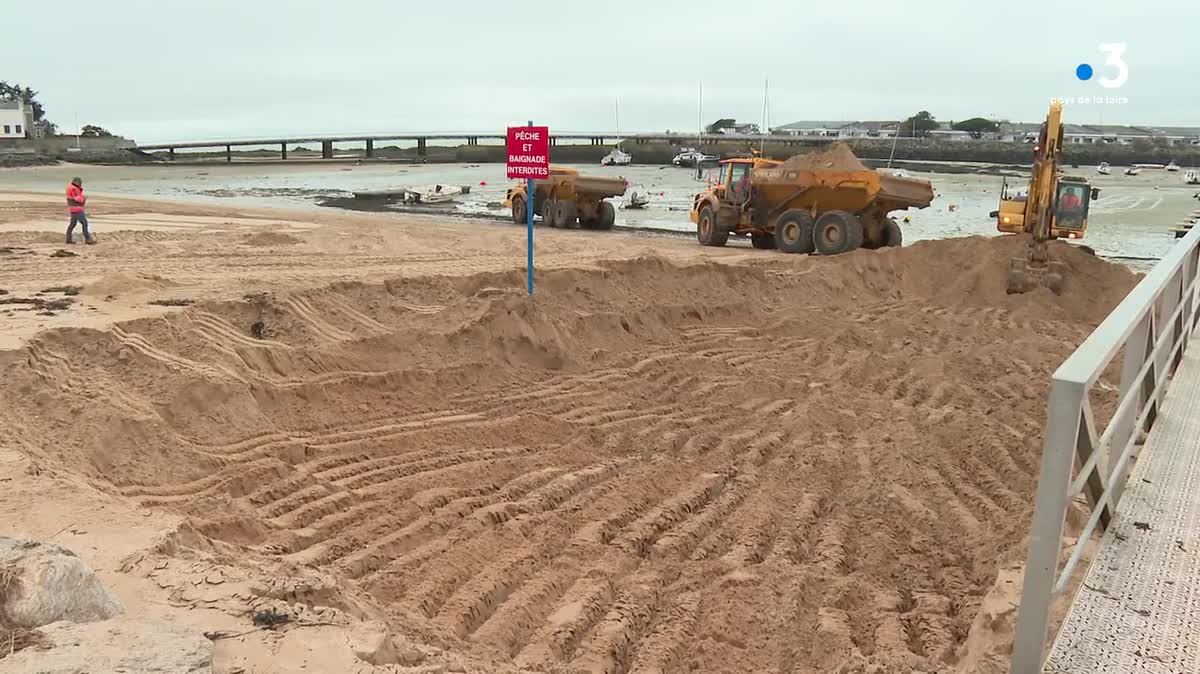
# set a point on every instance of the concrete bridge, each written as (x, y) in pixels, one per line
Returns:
(422, 141)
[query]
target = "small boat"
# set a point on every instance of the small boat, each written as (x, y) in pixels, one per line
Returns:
(431, 194)
(617, 158)
(1103, 169)
(1172, 167)
(1133, 170)
(635, 199)
(691, 157)
(1191, 177)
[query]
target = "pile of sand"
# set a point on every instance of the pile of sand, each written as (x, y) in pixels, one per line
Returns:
(835, 157)
(124, 283)
(271, 239)
(796, 467)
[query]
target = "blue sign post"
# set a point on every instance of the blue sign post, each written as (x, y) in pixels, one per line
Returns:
(529, 224)
(529, 158)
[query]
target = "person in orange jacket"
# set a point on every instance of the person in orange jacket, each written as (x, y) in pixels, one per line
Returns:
(75, 205)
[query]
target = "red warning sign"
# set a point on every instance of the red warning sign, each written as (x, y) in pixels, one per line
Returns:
(528, 152)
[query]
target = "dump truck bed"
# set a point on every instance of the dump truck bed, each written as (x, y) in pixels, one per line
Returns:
(897, 193)
(835, 178)
(600, 187)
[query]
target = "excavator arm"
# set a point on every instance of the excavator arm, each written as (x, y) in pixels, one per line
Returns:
(1036, 212)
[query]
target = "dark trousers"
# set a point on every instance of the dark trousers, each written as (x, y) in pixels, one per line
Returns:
(81, 219)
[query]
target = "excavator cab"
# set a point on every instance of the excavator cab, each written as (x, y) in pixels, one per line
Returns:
(1071, 208)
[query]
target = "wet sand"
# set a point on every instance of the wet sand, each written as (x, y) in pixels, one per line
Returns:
(1131, 219)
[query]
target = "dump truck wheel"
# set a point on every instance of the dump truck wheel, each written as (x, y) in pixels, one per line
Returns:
(518, 210)
(837, 232)
(893, 237)
(549, 207)
(606, 216)
(794, 232)
(566, 215)
(762, 241)
(706, 229)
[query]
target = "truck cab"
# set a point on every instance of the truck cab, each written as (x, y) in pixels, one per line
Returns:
(730, 194)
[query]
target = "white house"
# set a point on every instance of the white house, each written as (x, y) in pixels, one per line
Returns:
(14, 119)
(823, 129)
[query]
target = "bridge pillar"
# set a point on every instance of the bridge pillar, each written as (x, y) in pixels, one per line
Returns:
(228, 154)
(421, 149)
(283, 151)
(327, 149)
(370, 148)
(171, 153)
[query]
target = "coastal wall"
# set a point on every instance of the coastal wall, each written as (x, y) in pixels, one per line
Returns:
(866, 148)
(83, 149)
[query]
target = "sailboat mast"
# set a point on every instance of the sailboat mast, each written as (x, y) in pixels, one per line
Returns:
(762, 139)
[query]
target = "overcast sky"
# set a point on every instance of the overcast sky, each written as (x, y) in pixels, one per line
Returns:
(159, 70)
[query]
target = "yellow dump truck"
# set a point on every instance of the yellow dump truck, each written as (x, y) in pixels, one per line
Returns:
(569, 199)
(826, 202)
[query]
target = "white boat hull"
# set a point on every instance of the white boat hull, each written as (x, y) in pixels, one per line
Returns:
(617, 158)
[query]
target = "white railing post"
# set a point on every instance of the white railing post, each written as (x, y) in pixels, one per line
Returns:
(1191, 266)
(1064, 417)
(1172, 295)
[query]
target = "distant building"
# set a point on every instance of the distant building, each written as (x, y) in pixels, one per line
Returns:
(870, 129)
(16, 119)
(1012, 132)
(819, 129)
(742, 129)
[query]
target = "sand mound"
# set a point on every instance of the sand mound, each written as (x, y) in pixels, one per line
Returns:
(122, 283)
(271, 239)
(835, 157)
(801, 465)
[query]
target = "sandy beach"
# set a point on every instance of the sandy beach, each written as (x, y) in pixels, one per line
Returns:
(670, 459)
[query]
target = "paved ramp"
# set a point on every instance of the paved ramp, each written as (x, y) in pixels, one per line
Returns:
(1139, 607)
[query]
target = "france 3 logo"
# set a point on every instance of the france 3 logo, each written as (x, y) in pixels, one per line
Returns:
(1115, 60)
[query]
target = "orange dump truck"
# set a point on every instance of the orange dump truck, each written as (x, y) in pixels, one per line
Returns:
(569, 199)
(827, 202)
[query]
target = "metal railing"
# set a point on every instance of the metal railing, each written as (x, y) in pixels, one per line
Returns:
(1153, 324)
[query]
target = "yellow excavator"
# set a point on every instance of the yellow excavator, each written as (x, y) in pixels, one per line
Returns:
(1054, 207)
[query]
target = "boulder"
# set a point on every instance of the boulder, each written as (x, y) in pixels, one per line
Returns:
(118, 645)
(42, 583)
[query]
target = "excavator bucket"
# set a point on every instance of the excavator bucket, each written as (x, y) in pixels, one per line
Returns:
(1018, 277)
(1055, 276)
(1034, 270)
